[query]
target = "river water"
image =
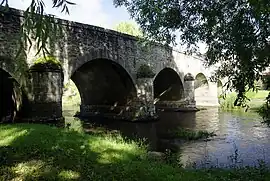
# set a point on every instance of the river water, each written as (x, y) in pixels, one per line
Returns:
(241, 139)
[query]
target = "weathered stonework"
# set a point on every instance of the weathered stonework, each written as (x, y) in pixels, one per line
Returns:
(81, 50)
(46, 94)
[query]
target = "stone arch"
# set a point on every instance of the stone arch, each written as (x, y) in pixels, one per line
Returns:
(9, 66)
(168, 85)
(172, 66)
(201, 87)
(11, 97)
(104, 82)
(99, 54)
(13, 78)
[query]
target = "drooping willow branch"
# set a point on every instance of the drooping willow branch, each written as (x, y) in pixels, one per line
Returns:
(37, 26)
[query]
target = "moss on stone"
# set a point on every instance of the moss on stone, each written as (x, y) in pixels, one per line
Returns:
(48, 62)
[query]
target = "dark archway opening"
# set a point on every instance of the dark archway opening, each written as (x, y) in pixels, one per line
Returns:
(103, 82)
(10, 97)
(168, 86)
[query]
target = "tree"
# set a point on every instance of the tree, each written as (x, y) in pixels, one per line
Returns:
(37, 25)
(128, 28)
(236, 32)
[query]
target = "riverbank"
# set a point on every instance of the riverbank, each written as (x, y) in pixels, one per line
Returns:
(40, 152)
(257, 99)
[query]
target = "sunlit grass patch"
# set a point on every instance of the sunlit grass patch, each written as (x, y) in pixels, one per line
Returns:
(69, 175)
(114, 148)
(8, 135)
(260, 94)
(28, 167)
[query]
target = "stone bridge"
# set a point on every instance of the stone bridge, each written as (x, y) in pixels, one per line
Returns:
(116, 75)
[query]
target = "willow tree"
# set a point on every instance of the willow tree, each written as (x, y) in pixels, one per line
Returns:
(236, 33)
(38, 26)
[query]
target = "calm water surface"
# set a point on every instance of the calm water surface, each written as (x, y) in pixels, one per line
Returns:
(241, 138)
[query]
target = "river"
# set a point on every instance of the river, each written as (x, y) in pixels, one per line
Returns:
(241, 139)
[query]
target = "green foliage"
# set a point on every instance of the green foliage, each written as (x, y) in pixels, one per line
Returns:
(236, 33)
(39, 152)
(256, 99)
(227, 103)
(145, 71)
(266, 81)
(48, 60)
(264, 110)
(188, 134)
(129, 28)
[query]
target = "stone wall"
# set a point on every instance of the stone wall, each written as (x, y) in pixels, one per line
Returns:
(80, 44)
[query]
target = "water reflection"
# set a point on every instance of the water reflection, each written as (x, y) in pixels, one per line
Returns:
(241, 138)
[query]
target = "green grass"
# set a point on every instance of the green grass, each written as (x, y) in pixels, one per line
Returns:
(228, 102)
(260, 94)
(40, 152)
(257, 99)
(187, 134)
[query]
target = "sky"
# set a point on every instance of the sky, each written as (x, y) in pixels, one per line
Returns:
(94, 12)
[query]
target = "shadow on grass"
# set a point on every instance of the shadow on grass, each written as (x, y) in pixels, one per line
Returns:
(39, 152)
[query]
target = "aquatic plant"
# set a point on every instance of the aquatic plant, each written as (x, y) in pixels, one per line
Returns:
(187, 134)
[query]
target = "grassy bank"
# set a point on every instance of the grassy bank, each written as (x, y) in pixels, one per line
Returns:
(257, 99)
(39, 152)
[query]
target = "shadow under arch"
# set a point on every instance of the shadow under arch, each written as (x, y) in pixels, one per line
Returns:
(104, 82)
(12, 98)
(168, 86)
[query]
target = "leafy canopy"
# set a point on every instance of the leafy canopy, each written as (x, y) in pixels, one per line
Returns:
(236, 32)
(128, 28)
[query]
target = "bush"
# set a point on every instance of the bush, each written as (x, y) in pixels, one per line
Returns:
(266, 81)
(227, 103)
(264, 110)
